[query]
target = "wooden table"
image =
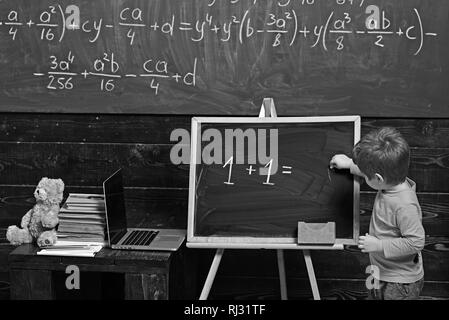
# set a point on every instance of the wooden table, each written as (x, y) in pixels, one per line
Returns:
(147, 275)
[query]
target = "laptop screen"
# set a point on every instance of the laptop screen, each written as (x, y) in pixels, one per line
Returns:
(115, 207)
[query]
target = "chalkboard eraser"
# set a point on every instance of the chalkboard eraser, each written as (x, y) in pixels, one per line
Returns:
(316, 233)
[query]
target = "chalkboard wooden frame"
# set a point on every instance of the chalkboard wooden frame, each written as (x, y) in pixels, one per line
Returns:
(211, 242)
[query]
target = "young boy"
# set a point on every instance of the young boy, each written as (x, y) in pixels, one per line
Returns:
(396, 235)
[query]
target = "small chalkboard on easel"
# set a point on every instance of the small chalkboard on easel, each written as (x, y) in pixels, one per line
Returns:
(252, 180)
(283, 199)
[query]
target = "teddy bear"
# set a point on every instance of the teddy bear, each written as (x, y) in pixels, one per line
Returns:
(39, 222)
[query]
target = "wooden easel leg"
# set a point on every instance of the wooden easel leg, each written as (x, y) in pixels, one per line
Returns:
(211, 275)
(281, 266)
(311, 273)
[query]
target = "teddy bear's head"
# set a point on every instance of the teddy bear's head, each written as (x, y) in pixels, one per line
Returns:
(50, 191)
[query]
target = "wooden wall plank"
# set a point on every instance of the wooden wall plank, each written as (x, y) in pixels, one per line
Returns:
(15, 201)
(240, 288)
(156, 129)
(144, 194)
(429, 167)
(427, 137)
(19, 127)
(246, 288)
(422, 133)
(82, 164)
(149, 165)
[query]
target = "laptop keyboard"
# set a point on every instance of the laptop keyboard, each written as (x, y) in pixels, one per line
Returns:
(140, 238)
(117, 236)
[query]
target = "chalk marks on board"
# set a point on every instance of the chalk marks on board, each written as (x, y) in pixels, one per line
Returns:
(286, 170)
(288, 24)
(232, 176)
(222, 57)
(107, 69)
(240, 158)
(229, 163)
(236, 24)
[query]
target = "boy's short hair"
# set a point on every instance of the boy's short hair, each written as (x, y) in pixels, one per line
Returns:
(383, 151)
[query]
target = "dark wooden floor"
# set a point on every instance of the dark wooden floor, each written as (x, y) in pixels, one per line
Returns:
(85, 149)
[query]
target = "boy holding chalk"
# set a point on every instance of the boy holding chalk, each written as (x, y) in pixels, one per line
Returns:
(396, 235)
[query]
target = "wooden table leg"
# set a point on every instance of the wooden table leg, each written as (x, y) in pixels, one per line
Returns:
(146, 286)
(31, 284)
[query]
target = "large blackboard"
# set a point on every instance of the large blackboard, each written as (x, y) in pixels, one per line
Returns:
(242, 204)
(315, 57)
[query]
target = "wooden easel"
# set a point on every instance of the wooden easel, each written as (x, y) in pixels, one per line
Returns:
(268, 109)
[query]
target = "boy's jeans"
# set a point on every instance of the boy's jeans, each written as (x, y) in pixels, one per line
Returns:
(396, 291)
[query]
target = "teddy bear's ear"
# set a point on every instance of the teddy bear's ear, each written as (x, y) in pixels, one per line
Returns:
(43, 180)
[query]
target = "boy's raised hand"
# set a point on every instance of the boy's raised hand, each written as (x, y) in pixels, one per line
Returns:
(340, 161)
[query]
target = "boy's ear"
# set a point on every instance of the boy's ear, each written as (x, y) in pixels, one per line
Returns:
(379, 178)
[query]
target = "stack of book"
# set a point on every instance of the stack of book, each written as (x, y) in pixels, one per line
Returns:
(81, 230)
(82, 218)
(71, 249)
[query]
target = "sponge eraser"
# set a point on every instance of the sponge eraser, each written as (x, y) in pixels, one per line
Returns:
(316, 233)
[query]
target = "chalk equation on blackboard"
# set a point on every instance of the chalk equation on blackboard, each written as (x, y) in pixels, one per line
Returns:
(284, 25)
(286, 170)
(107, 69)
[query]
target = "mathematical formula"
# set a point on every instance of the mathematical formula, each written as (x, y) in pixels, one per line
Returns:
(54, 22)
(107, 69)
(286, 25)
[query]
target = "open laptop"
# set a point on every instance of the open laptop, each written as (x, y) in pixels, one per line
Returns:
(120, 236)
